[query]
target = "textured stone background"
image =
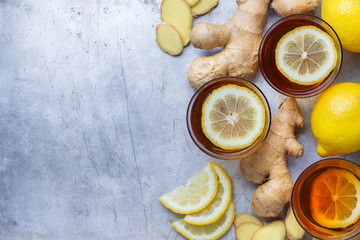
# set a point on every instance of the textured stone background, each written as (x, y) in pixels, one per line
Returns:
(92, 120)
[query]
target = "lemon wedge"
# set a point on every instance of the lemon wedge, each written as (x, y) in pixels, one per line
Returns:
(218, 205)
(210, 231)
(233, 117)
(306, 55)
(199, 191)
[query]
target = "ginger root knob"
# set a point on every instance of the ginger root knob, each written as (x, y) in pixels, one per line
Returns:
(268, 163)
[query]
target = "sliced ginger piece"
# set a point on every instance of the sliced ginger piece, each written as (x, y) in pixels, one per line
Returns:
(273, 231)
(169, 39)
(192, 2)
(244, 217)
(203, 6)
(178, 14)
(245, 230)
(293, 230)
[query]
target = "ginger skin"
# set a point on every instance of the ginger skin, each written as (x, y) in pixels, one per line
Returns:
(268, 163)
(287, 7)
(240, 37)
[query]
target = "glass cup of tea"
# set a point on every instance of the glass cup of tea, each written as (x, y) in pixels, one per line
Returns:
(267, 56)
(195, 112)
(306, 195)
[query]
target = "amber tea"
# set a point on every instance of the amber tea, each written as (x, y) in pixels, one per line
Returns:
(324, 199)
(195, 114)
(267, 59)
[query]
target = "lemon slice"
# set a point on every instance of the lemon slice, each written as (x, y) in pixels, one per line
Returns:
(233, 117)
(334, 198)
(218, 205)
(306, 55)
(199, 191)
(207, 232)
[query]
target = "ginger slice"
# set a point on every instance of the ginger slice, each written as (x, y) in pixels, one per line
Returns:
(293, 230)
(178, 14)
(245, 230)
(243, 217)
(203, 6)
(169, 39)
(192, 2)
(273, 231)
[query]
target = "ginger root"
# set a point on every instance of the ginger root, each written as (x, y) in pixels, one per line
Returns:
(169, 39)
(293, 229)
(272, 231)
(287, 7)
(240, 37)
(268, 163)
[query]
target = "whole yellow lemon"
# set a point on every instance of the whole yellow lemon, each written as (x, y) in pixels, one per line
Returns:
(335, 120)
(344, 17)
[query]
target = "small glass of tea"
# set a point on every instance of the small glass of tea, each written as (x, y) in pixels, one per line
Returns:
(291, 49)
(326, 199)
(224, 114)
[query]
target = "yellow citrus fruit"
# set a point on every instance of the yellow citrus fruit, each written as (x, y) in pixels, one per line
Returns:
(335, 120)
(306, 55)
(344, 17)
(233, 117)
(218, 205)
(210, 231)
(199, 191)
(334, 198)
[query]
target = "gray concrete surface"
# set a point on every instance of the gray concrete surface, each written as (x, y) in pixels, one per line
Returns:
(92, 121)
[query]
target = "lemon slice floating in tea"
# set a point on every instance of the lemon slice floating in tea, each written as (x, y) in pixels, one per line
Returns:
(335, 198)
(233, 117)
(306, 55)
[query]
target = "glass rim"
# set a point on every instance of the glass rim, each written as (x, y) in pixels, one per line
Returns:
(302, 175)
(298, 16)
(236, 154)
